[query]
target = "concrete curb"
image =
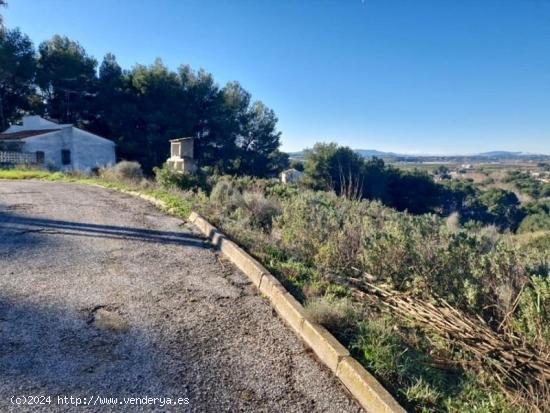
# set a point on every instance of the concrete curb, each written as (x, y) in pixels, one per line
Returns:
(157, 202)
(370, 394)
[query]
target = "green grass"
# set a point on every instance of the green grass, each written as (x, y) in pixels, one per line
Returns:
(416, 382)
(176, 205)
(30, 174)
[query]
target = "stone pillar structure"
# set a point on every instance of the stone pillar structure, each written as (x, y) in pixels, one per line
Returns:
(182, 155)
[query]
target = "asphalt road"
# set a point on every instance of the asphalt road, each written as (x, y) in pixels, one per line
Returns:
(103, 296)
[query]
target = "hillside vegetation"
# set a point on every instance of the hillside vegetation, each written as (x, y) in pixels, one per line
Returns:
(430, 285)
(330, 251)
(449, 311)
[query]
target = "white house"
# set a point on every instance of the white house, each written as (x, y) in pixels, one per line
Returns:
(60, 146)
(290, 176)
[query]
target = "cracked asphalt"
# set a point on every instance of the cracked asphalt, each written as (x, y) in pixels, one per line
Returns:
(102, 295)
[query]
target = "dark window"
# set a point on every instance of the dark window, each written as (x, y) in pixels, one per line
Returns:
(65, 157)
(39, 157)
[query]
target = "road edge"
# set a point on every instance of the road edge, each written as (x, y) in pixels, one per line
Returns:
(364, 387)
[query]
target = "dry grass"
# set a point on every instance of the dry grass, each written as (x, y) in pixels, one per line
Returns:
(334, 314)
(123, 171)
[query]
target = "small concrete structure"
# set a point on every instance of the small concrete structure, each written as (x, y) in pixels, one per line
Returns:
(290, 176)
(182, 155)
(59, 146)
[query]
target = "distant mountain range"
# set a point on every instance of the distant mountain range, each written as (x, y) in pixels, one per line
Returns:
(493, 155)
(506, 154)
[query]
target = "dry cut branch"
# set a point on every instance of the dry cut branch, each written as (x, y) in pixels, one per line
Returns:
(515, 364)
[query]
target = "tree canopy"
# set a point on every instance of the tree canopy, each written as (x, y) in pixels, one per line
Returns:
(338, 168)
(142, 108)
(17, 70)
(3, 3)
(66, 76)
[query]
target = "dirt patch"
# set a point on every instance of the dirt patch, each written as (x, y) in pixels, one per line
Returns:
(107, 318)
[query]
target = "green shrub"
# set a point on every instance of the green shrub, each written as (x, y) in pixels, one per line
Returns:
(306, 222)
(535, 222)
(534, 310)
(488, 181)
(258, 210)
(168, 178)
(538, 249)
(123, 171)
(309, 219)
(225, 195)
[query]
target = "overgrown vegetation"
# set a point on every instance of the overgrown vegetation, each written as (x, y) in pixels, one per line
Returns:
(329, 167)
(526, 183)
(329, 246)
(317, 242)
(326, 247)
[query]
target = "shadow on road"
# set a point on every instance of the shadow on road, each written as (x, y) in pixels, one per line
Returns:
(21, 225)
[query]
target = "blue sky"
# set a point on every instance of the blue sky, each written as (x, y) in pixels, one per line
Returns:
(415, 76)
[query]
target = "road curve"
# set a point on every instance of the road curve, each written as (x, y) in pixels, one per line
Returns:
(102, 296)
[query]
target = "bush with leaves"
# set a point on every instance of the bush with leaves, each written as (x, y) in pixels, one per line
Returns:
(258, 210)
(168, 178)
(533, 315)
(535, 222)
(123, 171)
(226, 196)
(308, 220)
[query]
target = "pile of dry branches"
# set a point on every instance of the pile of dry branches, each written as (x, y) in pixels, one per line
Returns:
(513, 363)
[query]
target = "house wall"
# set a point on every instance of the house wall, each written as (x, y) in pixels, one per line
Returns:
(91, 151)
(51, 144)
(290, 176)
(88, 151)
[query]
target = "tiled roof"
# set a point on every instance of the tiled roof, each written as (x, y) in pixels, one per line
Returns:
(24, 134)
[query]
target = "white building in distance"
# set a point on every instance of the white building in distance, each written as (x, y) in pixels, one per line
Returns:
(290, 176)
(59, 146)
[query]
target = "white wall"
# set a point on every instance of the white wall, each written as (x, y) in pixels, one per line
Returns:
(51, 144)
(91, 151)
(88, 151)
